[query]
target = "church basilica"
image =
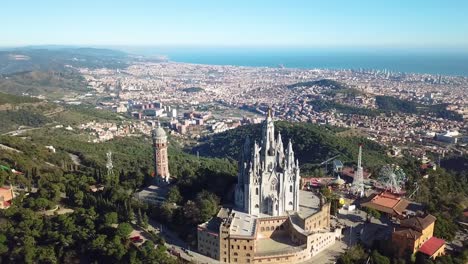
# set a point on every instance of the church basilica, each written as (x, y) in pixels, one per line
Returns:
(272, 220)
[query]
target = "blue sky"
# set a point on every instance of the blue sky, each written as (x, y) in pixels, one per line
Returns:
(325, 23)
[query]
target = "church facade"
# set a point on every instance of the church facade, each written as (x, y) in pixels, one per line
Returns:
(268, 179)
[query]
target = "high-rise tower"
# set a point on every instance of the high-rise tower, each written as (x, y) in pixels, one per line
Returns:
(161, 162)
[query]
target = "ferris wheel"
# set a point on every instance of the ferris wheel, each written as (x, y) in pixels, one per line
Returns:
(392, 178)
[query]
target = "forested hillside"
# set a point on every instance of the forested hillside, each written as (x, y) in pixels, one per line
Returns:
(53, 84)
(312, 144)
(392, 104)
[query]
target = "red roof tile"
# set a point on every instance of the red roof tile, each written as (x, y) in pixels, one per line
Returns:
(431, 246)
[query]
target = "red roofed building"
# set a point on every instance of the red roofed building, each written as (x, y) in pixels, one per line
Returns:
(6, 195)
(434, 247)
(387, 203)
(416, 234)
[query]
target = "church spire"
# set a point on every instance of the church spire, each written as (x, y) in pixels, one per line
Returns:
(290, 156)
(268, 138)
(269, 113)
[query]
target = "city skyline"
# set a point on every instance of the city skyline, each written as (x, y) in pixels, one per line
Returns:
(304, 24)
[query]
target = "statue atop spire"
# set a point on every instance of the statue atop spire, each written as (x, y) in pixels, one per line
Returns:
(269, 113)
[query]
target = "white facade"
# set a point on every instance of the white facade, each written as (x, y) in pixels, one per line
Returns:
(268, 179)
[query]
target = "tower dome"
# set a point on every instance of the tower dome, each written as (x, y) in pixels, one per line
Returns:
(159, 132)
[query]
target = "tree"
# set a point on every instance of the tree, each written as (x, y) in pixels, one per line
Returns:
(355, 254)
(78, 198)
(111, 218)
(327, 193)
(173, 196)
(371, 212)
(46, 254)
(124, 230)
(377, 258)
(29, 249)
(42, 204)
(3, 246)
(208, 204)
(144, 220)
(191, 212)
(166, 212)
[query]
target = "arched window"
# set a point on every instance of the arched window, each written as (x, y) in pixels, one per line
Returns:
(267, 228)
(256, 191)
(248, 254)
(256, 206)
(263, 229)
(290, 188)
(290, 203)
(235, 253)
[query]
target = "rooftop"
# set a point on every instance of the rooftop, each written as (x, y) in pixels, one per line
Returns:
(431, 246)
(407, 233)
(387, 203)
(309, 203)
(242, 224)
(279, 245)
(418, 223)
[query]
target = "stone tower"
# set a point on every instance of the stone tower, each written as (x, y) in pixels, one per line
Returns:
(161, 162)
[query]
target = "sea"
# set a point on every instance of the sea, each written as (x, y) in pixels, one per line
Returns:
(445, 62)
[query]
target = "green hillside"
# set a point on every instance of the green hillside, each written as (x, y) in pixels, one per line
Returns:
(312, 144)
(27, 112)
(327, 83)
(389, 103)
(49, 83)
(14, 99)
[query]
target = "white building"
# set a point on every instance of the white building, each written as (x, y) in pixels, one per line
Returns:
(268, 179)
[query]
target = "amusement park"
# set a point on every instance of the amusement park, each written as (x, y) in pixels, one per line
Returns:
(358, 187)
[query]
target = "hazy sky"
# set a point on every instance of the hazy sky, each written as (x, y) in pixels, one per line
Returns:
(309, 23)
